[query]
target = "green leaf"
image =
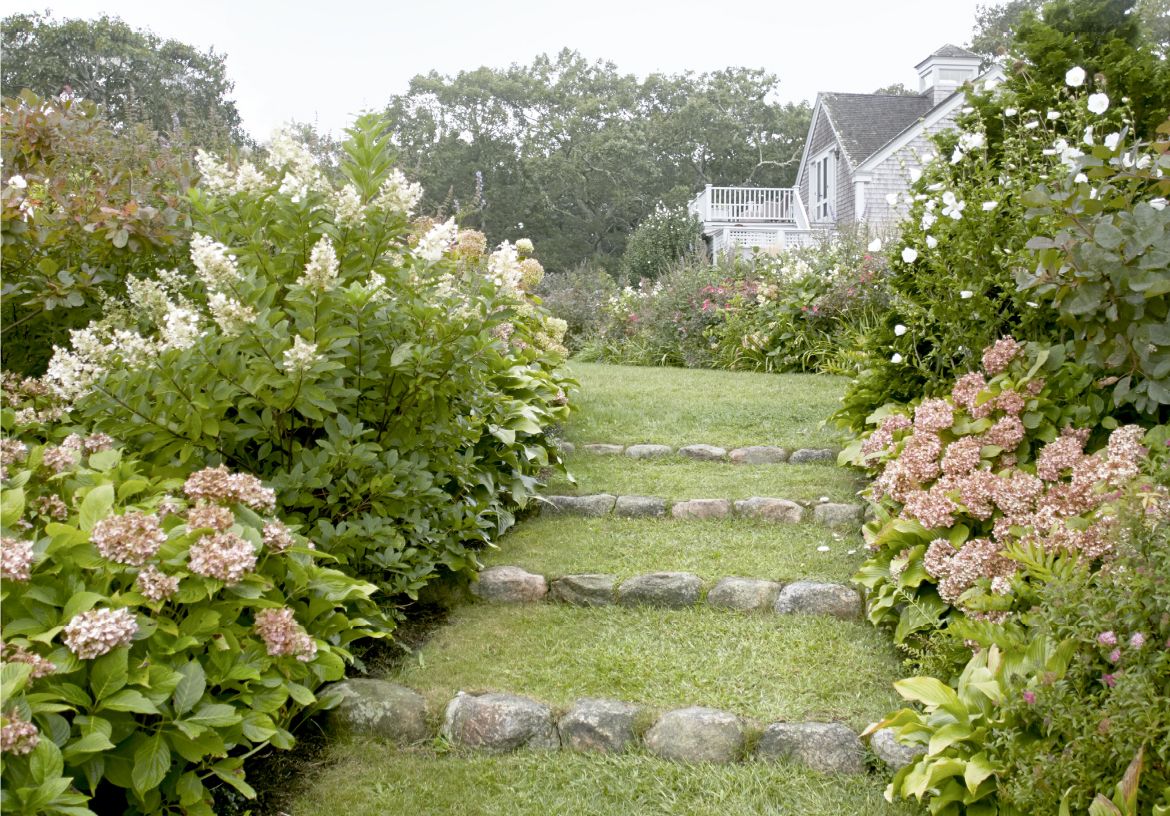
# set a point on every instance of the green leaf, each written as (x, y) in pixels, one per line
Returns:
(152, 760)
(109, 673)
(191, 688)
(96, 506)
(45, 762)
(131, 700)
(13, 678)
(215, 715)
(1108, 236)
(89, 744)
(948, 735)
(11, 505)
(931, 692)
(978, 768)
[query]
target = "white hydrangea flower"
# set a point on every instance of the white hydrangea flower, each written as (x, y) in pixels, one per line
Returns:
(504, 266)
(321, 270)
(213, 262)
(229, 314)
(301, 356)
(215, 176)
(1098, 103)
(437, 241)
(181, 329)
(250, 180)
(1075, 77)
(347, 207)
(524, 245)
(398, 194)
(286, 150)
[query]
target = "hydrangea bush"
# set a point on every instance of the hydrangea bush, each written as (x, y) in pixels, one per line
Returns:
(1004, 466)
(389, 378)
(157, 631)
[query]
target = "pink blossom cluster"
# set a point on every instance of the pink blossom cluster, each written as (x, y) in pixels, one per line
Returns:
(219, 485)
(277, 537)
(155, 584)
(12, 452)
(17, 735)
(225, 556)
(958, 570)
(283, 636)
(99, 631)
(882, 439)
(16, 558)
(60, 458)
(51, 506)
(207, 516)
(15, 653)
(132, 538)
(999, 355)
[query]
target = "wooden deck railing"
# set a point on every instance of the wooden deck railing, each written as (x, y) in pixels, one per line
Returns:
(743, 205)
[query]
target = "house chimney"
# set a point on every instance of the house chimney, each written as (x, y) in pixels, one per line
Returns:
(945, 71)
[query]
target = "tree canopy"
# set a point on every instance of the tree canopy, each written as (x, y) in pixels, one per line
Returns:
(134, 75)
(574, 154)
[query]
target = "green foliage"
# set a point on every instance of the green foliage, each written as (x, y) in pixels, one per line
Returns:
(661, 241)
(169, 714)
(575, 154)
(1106, 268)
(578, 296)
(133, 75)
(392, 391)
(84, 205)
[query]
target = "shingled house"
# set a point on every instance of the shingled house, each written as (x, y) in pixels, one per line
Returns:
(860, 149)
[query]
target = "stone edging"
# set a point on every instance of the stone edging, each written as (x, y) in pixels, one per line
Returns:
(669, 590)
(761, 507)
(498, 723)
(749, 455)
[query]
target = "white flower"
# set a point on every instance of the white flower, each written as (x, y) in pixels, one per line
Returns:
(1158, 204)
(875, 245)
(1088, 137)
(891, 198)
(181, 328)
(915, 175)
(504, 266)
(1111, 140)
(1098, 103)
(1031, 125)
(957, 156)
(397, 194)
(953, 208)
(909, 255)
(1053, 116)
(1032, 304)
(18, 182)
(899, 330)
(1075, 77)
(972, 140)
(823, 548)
(524, 246)
(1080, 178)
(931, 241)
(928, 219)
(321, 270)
(966, 294)
(437, 241)
(1010, 111)
(286, 150)
(214, 175)
(896, 358)
(988, 206)
(213, 262)
(230, 315)
(249, 179)
(301, 356)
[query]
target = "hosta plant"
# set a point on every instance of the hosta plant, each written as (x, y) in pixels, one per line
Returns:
(156, 631)
(389, 378)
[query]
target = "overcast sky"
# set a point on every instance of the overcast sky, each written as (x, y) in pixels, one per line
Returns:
(325, 61)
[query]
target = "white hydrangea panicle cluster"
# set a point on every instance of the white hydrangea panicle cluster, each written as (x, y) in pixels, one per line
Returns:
(181, 328)
(504, 267)
(398, 195)
(229, 314)
(322, 268)
(348, 210)
(438, 241)
(301, 174)
(217, 178)
(301, 356)
(214, 263)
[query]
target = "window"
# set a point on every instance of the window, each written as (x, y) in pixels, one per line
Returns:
(822, 183)
(955, 75)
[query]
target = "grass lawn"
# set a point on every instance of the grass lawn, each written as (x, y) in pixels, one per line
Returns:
(561, 545)
(367, 779)
(674, 477)
(673, 406)
(764, 667)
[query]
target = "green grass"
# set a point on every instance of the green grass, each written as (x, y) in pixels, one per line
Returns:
(673, 406)
(765, 667)
(365, 779)
(560, 545)
(674, 477)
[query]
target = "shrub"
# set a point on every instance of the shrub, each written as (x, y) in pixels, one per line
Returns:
(84, 205)
(389, 381)
(660, 242)
(156, 631)
(997, 470)
(578, 296)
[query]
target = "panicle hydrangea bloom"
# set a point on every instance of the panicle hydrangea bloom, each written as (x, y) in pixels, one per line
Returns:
(471, 244)
(99, 631)
(232, 316)
(283, 636)
(17, 735)
(301, 356)
(19, 654)
(531, 274)
(205, 515)
(214, 263)
(321, 270)
(398, 194)
(504, 266)
(132, 538)
(181, 328)
(348, 210)
(250, 180)
(214, 176)
(437, 241)
(277, 537)
(524, 246)
(225, 556)
(16, 558)
(999, 355)
(155, 584)
(219, 485)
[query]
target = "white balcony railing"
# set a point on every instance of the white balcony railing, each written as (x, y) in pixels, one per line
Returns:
(747, 242)
(748, 205)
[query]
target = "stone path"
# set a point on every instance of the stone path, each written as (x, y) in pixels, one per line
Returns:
(500, 721)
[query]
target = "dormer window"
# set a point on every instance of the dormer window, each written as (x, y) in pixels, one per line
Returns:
(821, 184)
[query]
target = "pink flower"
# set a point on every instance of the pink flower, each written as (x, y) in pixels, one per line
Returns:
(1137, 640)
(17, 735)
(225, 556)
(155, 584)
(999, 355)
(218, 485)
(207, 516)
(967, 389)
(1107, 638)
(16, 558)
(19, 654)
(934, 415)
(131, 538)
(282, 635)
(99, 631)
(1029, 696)
(1109, 680)
(1115, 656)
(277, 537)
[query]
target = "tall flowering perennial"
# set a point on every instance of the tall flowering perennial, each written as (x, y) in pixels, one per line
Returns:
(962, 488)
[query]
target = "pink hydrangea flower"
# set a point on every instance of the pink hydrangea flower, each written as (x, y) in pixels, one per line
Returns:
(218, 485)
(283, 636)
(225, 556)
(131, 538)
(156, 585)
(999, 355)
(17, 735)
(16, 558)
(99, 631)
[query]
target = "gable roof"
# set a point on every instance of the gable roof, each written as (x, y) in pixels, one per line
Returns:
(864, 123)
(949, 51)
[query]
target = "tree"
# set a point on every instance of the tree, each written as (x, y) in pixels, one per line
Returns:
(897, 89)
(578, 153)
(134, 75)
(995, 26)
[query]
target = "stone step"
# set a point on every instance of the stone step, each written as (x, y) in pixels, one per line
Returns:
(786, 511)
(669, 590)
(500, 722)
(748, 455)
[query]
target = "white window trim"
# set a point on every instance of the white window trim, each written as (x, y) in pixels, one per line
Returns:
(827, 213)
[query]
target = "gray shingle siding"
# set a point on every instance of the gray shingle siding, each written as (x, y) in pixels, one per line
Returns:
(893, 176)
